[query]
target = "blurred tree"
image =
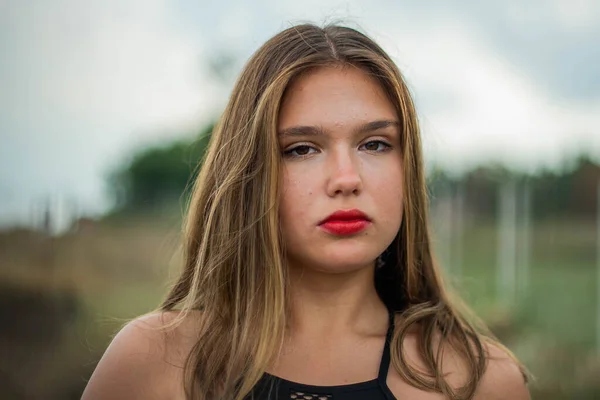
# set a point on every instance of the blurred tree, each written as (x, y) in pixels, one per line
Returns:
(161, 176)
(584, 187)
(482, 185)
(571, 192)
(567, 193)
(223, 66)
(158, 176)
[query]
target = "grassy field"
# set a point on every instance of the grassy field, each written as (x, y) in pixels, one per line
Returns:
(69, 294)
(551, 326)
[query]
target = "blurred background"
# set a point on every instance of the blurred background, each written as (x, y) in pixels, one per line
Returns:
(106, 107)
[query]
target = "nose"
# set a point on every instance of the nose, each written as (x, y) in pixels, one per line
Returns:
(344, 174)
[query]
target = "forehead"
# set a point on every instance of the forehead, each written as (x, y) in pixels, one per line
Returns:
(334, 97)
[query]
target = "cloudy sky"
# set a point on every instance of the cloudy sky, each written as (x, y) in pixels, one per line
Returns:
(84, 83)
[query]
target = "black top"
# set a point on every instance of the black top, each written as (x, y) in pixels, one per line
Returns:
(271, 387)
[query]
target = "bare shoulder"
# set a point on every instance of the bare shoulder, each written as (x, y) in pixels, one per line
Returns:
(145, 359)
(503, 379)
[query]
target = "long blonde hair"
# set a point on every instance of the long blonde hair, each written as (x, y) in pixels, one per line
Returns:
(234, 269)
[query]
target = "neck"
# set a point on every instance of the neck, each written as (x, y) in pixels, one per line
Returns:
(327, 304)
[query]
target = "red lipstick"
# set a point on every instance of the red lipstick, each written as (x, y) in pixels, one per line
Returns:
(345, 222)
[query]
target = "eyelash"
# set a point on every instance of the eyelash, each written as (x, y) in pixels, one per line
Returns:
(289, 152)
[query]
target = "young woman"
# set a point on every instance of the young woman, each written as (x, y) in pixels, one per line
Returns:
(308, 270)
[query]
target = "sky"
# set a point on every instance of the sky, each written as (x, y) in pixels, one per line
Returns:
(85, 84)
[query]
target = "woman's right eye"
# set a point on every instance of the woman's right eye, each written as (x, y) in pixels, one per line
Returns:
(299, 151)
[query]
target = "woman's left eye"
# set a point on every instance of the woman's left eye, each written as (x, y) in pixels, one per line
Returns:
(376, 145)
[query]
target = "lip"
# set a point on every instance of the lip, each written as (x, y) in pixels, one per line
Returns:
(345, 222)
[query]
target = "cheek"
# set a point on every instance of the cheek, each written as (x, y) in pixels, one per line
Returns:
(389, 195)
(392, 201)
(296, 196)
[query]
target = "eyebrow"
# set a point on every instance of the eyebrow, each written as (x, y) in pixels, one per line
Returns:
(311, 130)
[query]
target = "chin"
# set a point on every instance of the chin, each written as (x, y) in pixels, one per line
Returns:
(345, 262)
(345, 267)
(334, 262)
(338, 257)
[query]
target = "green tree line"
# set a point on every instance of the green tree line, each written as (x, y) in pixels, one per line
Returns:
(159, 176)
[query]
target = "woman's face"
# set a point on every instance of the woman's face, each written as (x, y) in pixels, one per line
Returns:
(339, 137)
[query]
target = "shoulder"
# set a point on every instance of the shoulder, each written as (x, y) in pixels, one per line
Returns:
(145, 359)
(503, 378)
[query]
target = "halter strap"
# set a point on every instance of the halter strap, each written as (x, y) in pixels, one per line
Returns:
(384, 365)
